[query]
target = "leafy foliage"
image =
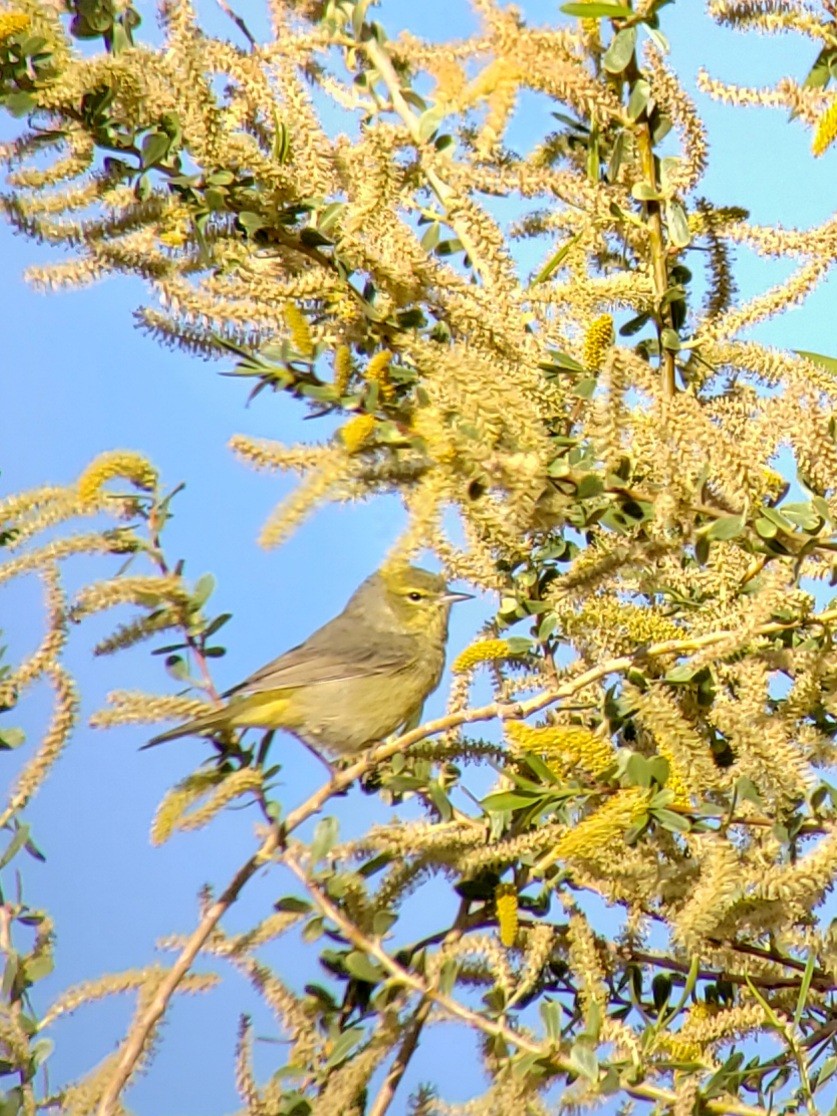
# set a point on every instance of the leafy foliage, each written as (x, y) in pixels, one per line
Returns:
(607, 442)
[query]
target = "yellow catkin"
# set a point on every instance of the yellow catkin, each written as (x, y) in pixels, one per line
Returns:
(116, 463)
(240, 782)
(356, 432)
(175, 232)
(377, 372)
(177, 800)
(677, 1048)
(505, 904)
(297, 323)
(621, 621)
(12, 23)
(484, 651)
(172, 811)
(606, 824)
(568, 745)
(342, 369)
(826, 129)
(676, 782)
(597, 340)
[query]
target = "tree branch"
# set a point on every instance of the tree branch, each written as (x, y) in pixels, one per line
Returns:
(142, 1029)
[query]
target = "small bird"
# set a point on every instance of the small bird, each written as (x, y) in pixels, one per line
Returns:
(357, 679)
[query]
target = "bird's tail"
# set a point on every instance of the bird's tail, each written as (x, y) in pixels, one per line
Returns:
(198, 726)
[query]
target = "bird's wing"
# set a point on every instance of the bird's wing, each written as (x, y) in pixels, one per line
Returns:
(332, 654)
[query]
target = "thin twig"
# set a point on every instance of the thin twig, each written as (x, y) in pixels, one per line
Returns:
(412, 1034)
(490, 1027)
(820, 981)
(409, 1044)
(238, 21)
(382, 63)
(143, 1028)
(141, 1031)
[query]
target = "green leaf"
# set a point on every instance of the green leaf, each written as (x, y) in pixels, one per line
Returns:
(820, 73)
(727, 527)
(634, 325)
(810, 515)
(440, 800)
(19, 103)
(430, 237)
(555, 261)
(204, 587)
(429, 122)
(585, 388)
(621, 50)
(639, 98)
(551, 1015)
(678, 224)
(15, 845)
(597, 11)
(746, 789)
(661, 990)
(155, 147)
(674, 823)
(804, 987)
(540, 769)
(215, 625)
(561, 361)
(547, 626)
(11, 738)
(680, 674)
(590, 485)
(644, 771)
(507, 800)
(251, 222)
(291, 904)
(449, 247)
(593, 158)
(670, 340)
(325, 838)
(779, 520)
(344, 1044)
(765, 529)
(448, 973)
(826, 362)
(642, 191)
(659, 38)
(36, 968)
(617, 154)
(313, 930)
(39, 1052)
(584, 1061)
(383, 922)
(364, 968)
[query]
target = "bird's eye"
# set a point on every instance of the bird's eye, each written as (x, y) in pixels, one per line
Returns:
(414, 596)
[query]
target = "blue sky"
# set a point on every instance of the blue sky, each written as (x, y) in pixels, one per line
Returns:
(78, 380)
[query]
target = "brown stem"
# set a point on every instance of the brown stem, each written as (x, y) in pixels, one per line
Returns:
(493, 1028)
(143, 1028)
(656, 236)
(820, 981)
(409, 1044)
(192, 643)
(410, 1041)
(145, 1024)
(656, 240)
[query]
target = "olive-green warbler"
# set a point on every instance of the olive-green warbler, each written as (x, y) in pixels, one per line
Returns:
(357, 679)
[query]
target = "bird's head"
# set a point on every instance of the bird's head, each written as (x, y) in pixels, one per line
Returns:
(410, 600)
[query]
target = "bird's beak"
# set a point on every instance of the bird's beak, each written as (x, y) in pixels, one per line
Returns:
(452, 598)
